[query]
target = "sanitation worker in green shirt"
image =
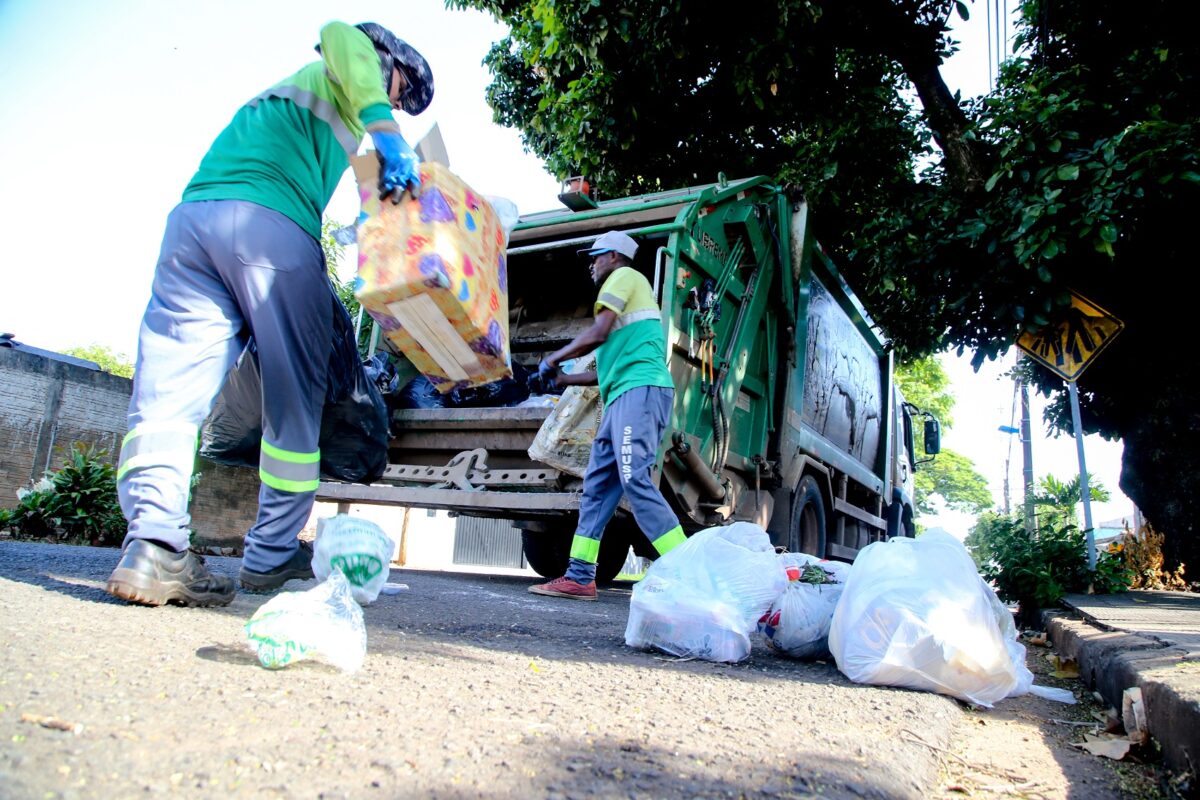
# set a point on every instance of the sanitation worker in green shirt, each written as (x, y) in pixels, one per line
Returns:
(636, 388)
(241, 257)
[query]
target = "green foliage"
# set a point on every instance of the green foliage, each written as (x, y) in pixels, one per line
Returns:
(1081, 171)
(1054, 501)
(109, 361)
(1113, 574)
(344, 289)
(925, 384)
(647, 95)
(76, 504)
(1036, 570)
(332, 249)
(979, 540)
(951, 475)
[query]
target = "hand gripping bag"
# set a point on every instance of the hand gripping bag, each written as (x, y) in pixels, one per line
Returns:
(565, 439)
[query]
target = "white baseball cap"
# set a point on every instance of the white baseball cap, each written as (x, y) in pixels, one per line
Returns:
(613, 240)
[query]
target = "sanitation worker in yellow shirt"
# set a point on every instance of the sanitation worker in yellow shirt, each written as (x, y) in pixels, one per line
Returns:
(636, 388)
(241, 257)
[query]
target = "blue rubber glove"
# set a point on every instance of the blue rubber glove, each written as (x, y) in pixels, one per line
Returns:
(399, 166)
(536, 385)
(546, 372)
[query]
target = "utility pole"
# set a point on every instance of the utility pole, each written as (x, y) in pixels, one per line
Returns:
(1010, 429)
(1085, 491)
(1027, 453)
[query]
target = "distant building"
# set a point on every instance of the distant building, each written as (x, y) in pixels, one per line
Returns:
(1109, 531)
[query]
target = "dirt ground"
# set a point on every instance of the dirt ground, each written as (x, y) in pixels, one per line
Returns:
(1025, 747)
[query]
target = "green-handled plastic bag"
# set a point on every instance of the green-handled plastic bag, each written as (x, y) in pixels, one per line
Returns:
(324, 624)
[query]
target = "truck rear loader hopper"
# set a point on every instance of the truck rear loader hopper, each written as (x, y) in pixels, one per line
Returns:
(785, 409)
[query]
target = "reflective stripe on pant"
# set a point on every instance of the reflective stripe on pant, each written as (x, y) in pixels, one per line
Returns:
(229, 269)
(621, 462)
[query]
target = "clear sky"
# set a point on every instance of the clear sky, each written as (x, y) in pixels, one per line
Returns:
(109, 107)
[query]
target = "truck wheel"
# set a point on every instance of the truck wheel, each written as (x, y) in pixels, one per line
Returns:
(547, 552)
(807, 532)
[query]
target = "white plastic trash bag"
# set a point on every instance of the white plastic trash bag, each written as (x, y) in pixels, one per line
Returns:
(915, 613)
(798, 621)
(704, 598)
(357, 548)
(323, 623)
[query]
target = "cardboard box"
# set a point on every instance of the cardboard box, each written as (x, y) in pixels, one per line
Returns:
(432, 274)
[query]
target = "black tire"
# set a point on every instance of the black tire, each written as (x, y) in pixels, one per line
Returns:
(548, 551)
(807, 532)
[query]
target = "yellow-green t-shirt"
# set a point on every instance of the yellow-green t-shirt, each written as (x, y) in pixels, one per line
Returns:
(635, 352)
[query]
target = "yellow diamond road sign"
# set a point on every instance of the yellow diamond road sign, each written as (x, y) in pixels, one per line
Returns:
(1071, 345)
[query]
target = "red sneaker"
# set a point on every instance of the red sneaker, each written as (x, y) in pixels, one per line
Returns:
(565, 587)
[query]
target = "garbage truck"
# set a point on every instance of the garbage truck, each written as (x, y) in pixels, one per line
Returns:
(786, 411)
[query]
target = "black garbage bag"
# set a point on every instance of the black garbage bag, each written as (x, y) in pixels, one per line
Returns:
(504, 392)
(354, 422)
(232, 432)
(421, 393)
(381, 371)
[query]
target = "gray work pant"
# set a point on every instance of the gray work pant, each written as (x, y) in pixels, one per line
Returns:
(228, 270)
(621, 463)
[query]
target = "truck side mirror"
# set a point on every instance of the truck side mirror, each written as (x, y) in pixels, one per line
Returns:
(933, 437)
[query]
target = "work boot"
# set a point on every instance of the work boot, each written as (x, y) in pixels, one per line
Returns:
(565, 587)
(151, 575)
(299, 567)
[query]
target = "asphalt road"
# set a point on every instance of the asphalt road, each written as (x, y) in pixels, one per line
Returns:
(472, 687)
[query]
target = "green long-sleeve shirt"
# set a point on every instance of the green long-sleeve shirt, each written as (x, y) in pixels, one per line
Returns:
(287, 148)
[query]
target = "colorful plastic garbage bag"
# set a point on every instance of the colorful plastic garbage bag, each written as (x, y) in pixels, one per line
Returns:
(432, 273)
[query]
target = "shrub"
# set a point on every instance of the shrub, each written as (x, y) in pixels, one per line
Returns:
(1143, 556)
(76, 504)
(1035, 571)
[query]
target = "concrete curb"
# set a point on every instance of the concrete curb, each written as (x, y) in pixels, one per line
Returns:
(1112, 661)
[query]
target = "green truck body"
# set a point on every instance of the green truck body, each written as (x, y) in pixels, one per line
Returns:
(786, 412)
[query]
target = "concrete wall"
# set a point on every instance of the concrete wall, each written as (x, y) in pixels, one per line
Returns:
(46, 406)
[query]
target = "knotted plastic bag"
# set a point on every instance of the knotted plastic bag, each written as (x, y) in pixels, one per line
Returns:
(797, 624)
(565, 439)
(357, 548)
(322, 624)
(915, 613)
(704, 598)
